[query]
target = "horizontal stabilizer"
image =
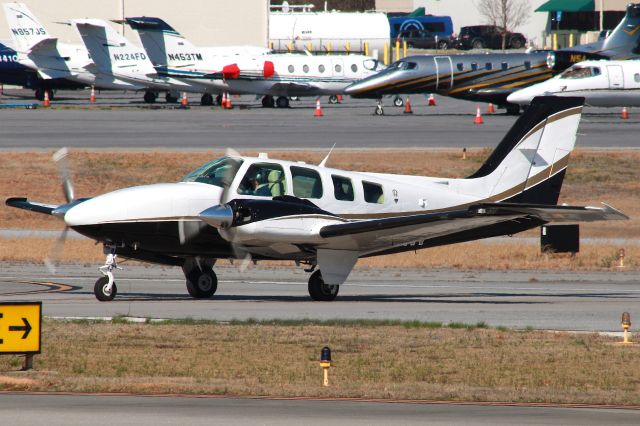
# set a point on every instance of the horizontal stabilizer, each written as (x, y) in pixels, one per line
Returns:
(44, 46)
(554, 213)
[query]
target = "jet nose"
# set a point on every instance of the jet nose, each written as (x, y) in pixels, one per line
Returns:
(363, 88)
(521, 97)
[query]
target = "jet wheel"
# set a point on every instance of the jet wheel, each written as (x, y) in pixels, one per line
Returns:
(170, 98)
(333, 99)
(282, 102)
(378, 110)
(398, 102)
(100, 290)
(206, 99)
(320, 291)
(202, 284)
(149, 97)
(268, 102)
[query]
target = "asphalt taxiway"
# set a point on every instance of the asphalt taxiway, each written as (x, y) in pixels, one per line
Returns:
(550, 300)
(123, 121)
(100, 410)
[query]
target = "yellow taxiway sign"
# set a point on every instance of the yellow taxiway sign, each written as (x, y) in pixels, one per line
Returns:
(20, 327)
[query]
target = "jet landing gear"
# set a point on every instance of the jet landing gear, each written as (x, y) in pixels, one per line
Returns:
(379, 110)
(150, 97)
(319, 291)
(105, 288)
(202, 282)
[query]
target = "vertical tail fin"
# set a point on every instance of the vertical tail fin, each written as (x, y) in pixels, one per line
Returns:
(624, 40)
(528, 166)
(111, 52)
(26, 31)
(164, 45)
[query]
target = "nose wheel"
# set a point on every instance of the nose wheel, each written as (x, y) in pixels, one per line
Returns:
(379, 110)
(105, 288)
(319, 291)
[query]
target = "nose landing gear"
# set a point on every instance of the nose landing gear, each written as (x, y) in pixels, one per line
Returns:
(379, 110)
(105, 288)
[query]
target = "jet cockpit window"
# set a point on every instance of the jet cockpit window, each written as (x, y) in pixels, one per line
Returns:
(581, 72)
(218, 172)
(373, 193)
(370, 64)
(306, 182)
(404, 65)
(263, 180)
(342, 188)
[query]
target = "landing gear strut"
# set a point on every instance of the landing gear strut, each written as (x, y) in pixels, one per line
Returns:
(379, 110)
(105, 287)
(320, 291)
(202, 282)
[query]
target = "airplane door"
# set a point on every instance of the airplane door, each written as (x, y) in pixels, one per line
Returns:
(616, 78)
(444, 72)
(338, 67)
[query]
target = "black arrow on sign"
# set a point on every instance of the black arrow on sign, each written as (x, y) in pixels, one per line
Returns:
(26, 328)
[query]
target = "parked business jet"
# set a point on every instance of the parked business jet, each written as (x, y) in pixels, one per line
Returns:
(493, 77)
(262, 208)
(271, 75)
(52, 59)
(601, 83)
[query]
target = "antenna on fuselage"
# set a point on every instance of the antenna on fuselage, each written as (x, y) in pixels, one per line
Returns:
(324, 162)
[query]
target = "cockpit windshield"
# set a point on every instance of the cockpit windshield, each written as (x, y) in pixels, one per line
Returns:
(404, 65)
(371, 64)
(218, 172)
(580, 72)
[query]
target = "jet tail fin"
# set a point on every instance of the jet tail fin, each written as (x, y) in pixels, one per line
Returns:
(111, 52)
(165, 46)
(529, 165)
(27, 32)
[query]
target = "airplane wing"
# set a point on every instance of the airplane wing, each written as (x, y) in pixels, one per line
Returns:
(432, 229)
(50, 209)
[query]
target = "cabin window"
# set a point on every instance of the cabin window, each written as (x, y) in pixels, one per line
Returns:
(373, 193)
(488, 66)
(636, 78)
(354, 68)
(460, 66)
(305, 68)
(505, 66)
(291, 69)
(474, 66)
(338, 68)
(342, 188)
(263, 180)
(321, 68)
(527, 64)
(306, 182)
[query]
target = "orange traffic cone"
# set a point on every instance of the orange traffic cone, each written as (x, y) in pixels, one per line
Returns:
(184, 102)
(92, 96)
(318, 112)
(223, 104)
(407, 107)
(491, 109)
(625, 114)
(46, 102)
(229, 104)
(432, 100)
(478, 119)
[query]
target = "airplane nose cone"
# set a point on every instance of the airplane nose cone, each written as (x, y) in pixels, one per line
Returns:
(520, 97)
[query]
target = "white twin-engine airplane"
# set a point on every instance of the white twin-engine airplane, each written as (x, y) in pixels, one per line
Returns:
(270, 75)
(265, 209)
(601, 83)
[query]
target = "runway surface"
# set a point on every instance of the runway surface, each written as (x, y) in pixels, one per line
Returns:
(565, 300)
(145, 410)
(124, 121)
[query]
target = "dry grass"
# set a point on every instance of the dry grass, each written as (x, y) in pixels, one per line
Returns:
(370, 361)
(472, 255)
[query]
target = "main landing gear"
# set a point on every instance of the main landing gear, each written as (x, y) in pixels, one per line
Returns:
(150, 97)
(202, 282)
(319, 291)
(105, 288)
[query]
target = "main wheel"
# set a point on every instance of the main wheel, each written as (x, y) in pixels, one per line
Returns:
(202, 284)
(477, 44)
(100, 290)
(398, 102)
(333, 99)
(219, 100)
(282, 102)
(170, 98)
(320, 291)
(206, 99)
(267, 101)
(150, 97)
